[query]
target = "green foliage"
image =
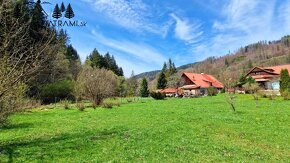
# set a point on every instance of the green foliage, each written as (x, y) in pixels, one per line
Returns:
(157, 95)
(95, 59)
(132, 85)
(57, 91)
(144, 92)
(284, 81)
(211, 91)
(162, 81)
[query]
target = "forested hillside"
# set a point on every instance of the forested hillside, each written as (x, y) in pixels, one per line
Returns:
(233, 65)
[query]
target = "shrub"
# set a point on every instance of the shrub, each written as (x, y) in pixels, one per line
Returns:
(108, 105)
(211, 91)
(65, 104)
(271, 96)
(251, 88)
(57, 91)
(96, 84)
(129, 100)
(81, 106)
(158, 95)
(285, 95)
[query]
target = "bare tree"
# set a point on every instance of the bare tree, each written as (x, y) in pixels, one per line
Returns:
(20, 57)
(96, 84)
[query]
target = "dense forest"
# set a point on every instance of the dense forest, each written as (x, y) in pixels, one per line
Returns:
(233, 65)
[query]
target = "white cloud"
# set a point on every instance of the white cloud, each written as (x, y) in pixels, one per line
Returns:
(245, 22)
(140, 51)
(189, 32)
(132, 15)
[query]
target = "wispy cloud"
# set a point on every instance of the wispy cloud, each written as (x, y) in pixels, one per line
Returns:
(242, 23)
(133, 15)
(189, 32)
(141, 51)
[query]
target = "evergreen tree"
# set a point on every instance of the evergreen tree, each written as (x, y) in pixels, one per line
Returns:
(284, 80)
(71, 53)
(174, 70)
(69, 12)
(62, 7)
(120, 72)
(144, 92)
(38, 17)
(56, 12)
(161, 82)
(164, 67)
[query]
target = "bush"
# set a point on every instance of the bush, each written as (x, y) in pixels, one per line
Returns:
(211, 91)
(96, 84)
(285, 95)
(81, 106)
(65, 104)
(57, 91)
(158, 95)
(108, 105)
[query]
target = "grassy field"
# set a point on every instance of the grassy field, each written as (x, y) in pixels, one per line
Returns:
(174, 130)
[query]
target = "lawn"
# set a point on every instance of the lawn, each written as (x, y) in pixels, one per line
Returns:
(174, 130)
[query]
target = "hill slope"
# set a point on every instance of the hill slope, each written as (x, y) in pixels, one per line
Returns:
(232, 66)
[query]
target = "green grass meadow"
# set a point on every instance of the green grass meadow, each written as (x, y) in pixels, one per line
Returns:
(201, 129)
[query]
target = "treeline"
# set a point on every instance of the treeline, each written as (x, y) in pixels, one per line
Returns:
(37, 62)
(95, 59)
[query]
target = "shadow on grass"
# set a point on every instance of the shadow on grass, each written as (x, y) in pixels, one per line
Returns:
(11, 150)
(16, 126)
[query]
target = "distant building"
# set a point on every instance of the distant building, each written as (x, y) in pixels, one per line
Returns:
(169, 92)
(197, 84)
(268, 77)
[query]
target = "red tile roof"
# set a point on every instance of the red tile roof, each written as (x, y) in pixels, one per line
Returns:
(277, 69)
(203, 80)
(168, 90)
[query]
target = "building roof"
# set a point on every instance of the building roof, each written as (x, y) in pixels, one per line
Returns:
(203, 80)
(193, 86)
(277, 69)
(168, 90)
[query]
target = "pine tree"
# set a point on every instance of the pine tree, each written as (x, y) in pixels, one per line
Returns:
(62, 7)
(120, 73)
(71, 53)
(284, 80)
(161, 82)
(56, 12)
(69, 12)
(144, 92)
(38, 17)
(164, 68)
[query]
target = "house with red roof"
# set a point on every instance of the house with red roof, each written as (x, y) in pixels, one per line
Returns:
(197, 84)
(268, 77)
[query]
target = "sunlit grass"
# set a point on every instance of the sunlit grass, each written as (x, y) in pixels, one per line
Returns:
(173, 130)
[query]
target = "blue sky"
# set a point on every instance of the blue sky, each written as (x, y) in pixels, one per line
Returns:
(142, 34)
